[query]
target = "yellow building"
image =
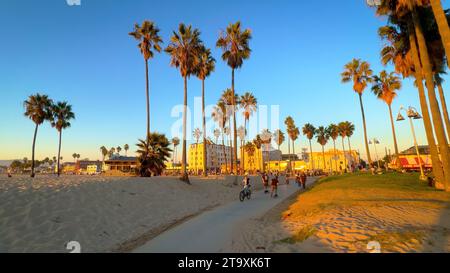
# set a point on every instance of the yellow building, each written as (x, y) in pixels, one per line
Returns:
(215, 157)
(334, 162)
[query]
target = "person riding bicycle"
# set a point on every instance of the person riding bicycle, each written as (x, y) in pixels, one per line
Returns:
(246, 183)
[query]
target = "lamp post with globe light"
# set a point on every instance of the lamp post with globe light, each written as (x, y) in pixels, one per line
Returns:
(412, 113)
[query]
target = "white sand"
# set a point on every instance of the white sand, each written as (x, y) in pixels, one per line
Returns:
(101, 213)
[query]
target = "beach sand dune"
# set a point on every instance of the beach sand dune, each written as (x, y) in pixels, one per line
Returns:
(103, 214)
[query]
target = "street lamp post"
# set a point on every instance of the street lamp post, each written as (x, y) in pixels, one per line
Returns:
(412, 113)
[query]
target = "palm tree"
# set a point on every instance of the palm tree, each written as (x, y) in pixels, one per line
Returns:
(61, 116)
(279, 138)
(346, 129)
(78, 156)
(249, 105)
(333, 131)
(126, 147)
(217, 135)
(289, 122)
(294, 133)
(249, 148)
(258, 144)
(231, 103)
(74, 155)
(401, 51)
(414, 22)
(442, 22)
(385, 87)
(309, 131)
(175, 143)
(205, 67)
(149, 40)
(359, 73)
(104, 152)
(235, 46)
(118, 149)
(219, 116)
(350, 130)
(37, 108)
(111, 152)
(266, 137)
(184, 50)
(241, 134)
(152, 154)
(197, 134)
(322, 138)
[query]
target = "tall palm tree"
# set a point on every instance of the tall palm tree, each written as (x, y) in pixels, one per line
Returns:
(206, 66)
(258, 145)
(37, 108)
(359, 73)
(346, 129)
(231, 102)
(309, 131)
(126, 147)
(385, 87)
(279, 138)
(219, 116)
(442, 22)
(104, 152)
(111, 152)
(234, 43)
(289, 122)
(74, 155)
(197, 134)
(293, 134)
(153, 153)
(266, 137)
(333, 131)
(401, 51)
(184, 49)
(78, 156)
(118, 149)
(249, 105)
(175, 143)
(149, 41)
(241, 134)
(217, 135)
(414, 21)
(350, 128)
(61, 116)
(322, 138)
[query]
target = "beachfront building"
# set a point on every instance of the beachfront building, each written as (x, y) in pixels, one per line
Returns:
(120, 165)
(254, 163)
(88, 167)
(215, 160)
(334, 162)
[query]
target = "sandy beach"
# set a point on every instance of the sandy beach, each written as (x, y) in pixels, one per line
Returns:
(337, 217)
(103, 214)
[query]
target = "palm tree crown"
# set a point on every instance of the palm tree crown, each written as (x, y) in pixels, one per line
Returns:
(386, 85)
(359, 73)
(38, 108)
(62, 114)
(148, 37)
(235, 45)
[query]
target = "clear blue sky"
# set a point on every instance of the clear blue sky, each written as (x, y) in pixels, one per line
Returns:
(83, 54)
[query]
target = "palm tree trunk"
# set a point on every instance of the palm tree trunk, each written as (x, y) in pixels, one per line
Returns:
(349, 147)
(289, 153)
(243, 152)
(205, 146)
(366, 142)
(345, 157)
(311, 155)
(279, 161)
(393, 132)
(224, 152)
(323, 157)
(335, 160)
(32, 150)
(444, 109)
(293, 149)
(444, 30)
(234, 122)
(437, 166)
(434, 106)
(185, 176)
(231, 145)
(148, 98)
(59, 152)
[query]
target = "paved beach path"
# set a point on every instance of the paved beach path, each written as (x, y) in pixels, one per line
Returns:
(212, 231)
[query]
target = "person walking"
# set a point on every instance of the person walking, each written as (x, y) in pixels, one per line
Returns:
(274, 192)
(265, 180)
(303, 178)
